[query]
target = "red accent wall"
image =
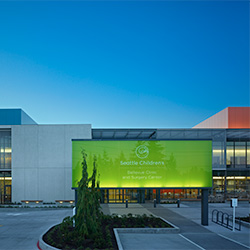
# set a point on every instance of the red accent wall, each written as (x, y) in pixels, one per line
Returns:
(239, 117)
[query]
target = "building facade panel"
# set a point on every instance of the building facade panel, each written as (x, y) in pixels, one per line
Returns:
(31, 189)
(18, 189)
(42, 154)
(51, 184)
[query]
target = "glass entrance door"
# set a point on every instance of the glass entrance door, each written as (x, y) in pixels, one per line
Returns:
(119, 195)
(7, 193)
(5, 187)
(131, 195)
(116, 195)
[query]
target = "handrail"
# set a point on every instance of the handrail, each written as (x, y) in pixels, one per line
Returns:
(224, 220)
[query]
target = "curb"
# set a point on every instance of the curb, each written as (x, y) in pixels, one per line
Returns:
(165, 230)
(118, 241)
(245, 224)
(41, 245)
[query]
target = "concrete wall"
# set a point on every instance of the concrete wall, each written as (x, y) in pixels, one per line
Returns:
(42, 159)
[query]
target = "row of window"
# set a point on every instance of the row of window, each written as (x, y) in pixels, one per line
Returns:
(238, 154)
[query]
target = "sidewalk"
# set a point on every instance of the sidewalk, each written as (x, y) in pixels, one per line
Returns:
(188, 219)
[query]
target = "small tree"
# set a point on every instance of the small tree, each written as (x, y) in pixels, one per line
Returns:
(88, 206)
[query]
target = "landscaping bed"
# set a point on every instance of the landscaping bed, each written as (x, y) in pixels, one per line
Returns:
(64, 236)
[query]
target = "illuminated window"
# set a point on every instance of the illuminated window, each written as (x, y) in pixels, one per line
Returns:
(240, 154)
(230, 154)
(248, 154)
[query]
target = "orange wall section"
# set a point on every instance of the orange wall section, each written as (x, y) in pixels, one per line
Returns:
(239, 117)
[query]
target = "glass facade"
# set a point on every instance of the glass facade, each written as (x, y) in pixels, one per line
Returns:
(238, 154)
(218, 185)
(5, 166)
(218, 154)
(5, 187)
(5, 149)
(238, 186)
(230, 154)
(248, 154)
(143, 195)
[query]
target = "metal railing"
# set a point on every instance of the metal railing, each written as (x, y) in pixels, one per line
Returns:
(225, 220)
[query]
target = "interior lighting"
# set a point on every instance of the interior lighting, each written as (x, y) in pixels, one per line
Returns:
(6, 150)
(236, 177)
(5, 178)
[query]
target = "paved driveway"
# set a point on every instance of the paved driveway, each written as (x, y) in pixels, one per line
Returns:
(20, 228)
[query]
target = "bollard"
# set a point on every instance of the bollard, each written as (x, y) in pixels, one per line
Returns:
(154, 202)
(178, 203)
(126, 203)
(74, 213)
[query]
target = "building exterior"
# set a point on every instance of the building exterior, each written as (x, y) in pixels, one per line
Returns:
(36, 160)
(228, 118)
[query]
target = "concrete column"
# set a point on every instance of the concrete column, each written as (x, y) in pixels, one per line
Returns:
(204, 207)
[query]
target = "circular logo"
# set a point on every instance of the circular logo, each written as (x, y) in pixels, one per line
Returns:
(142, 151)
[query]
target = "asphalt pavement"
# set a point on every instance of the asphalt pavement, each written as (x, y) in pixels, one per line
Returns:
(20, 228)
(192, 234)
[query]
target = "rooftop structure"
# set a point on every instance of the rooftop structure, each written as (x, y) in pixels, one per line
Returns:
(231, 117)
(15, 117)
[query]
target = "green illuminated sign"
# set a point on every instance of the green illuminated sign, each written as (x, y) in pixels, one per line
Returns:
(145, 164)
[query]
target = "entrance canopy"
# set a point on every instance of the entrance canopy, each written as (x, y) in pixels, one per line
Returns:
(145, 164)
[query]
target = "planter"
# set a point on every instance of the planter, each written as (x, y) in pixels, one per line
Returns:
(44, 246)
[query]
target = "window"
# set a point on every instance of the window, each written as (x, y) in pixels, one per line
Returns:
(240, 154)
(5, 149)
(218, 154)
(230, 154)
(248, 154)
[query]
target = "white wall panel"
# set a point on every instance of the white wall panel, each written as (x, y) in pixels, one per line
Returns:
(18, 185)
(30, 183)
(42, 161)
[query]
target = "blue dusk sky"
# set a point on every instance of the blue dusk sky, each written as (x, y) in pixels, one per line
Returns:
(120, 64)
